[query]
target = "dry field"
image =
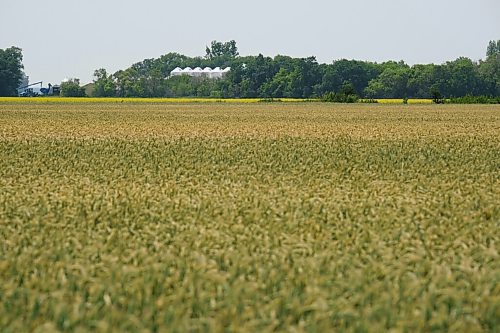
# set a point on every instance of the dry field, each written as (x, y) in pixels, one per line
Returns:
(303, 217)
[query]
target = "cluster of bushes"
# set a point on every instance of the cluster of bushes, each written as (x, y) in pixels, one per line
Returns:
(339, 98)
(474, 100)
(347, 94)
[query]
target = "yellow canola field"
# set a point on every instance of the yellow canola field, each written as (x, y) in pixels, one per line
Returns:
(36, 100)
(400, 101)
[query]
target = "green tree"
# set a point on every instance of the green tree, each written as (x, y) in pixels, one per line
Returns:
(104, 86)
(166, 63)
(347, 88)
(250, 74)
(295, 78)
(280, 85)
(180, 86)
(391, 83)
(493, 48)
(347, 94)
(219, 49)
(10, 70)
(462, 78)
(359, 73)
(489, 72)
(421, 77)
(71, 88)
(436, 96)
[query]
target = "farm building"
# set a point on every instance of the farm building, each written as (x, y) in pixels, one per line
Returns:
(176, 72)
(207, 72)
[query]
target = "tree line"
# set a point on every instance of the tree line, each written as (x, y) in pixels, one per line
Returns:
(282, 77)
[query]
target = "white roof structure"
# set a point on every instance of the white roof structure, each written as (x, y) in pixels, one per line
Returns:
(216, 73)
(197, 72)
(177, 71)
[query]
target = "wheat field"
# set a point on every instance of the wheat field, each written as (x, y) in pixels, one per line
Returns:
(294, 217)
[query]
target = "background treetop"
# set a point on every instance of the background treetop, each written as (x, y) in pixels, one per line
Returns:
(11, 73)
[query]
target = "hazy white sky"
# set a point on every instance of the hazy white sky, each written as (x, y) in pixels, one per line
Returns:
(65, 38)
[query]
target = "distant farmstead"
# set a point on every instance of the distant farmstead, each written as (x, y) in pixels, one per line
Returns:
(207, 72)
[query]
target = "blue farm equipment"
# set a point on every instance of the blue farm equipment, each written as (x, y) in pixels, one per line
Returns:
(32, 91)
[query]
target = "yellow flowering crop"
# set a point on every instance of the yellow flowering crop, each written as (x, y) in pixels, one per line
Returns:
(37, 100)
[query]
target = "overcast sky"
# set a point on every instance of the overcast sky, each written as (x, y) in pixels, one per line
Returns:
(65, 38)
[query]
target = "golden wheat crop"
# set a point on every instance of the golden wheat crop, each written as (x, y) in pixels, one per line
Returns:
(292, 217)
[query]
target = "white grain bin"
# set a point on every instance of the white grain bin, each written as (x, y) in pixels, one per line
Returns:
(187, 71)
(225, 71)
(176, 72)
(197, 72)
(216, 73)
(206, 72)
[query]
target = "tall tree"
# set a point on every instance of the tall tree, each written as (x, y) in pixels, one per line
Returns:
(421, 80)
(219, 49)
(462, 78)
(391, 83)
(493, 48)
(104, 86)
(359, 73)
(489, 72)
(71, 88)
(10, 70)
